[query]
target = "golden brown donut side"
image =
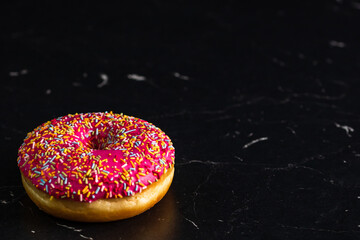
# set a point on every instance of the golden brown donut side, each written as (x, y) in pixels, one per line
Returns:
(102, 210)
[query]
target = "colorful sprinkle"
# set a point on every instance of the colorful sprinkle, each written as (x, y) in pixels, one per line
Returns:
(89, 156)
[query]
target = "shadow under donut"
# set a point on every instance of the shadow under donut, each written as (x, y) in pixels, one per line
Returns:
(159, 222)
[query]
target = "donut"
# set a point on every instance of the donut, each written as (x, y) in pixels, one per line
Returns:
(96, 167)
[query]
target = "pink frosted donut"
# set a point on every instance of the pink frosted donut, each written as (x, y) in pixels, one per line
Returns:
(96, 166)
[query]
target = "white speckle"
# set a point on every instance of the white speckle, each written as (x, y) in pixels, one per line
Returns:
(105, 80)
(347, 129)
(220, 220)
(358, 197)
(85, 75)
(48, 91)
(291, 130)
(24, 72)
(13, 74)
(16, 74)
(11, 193)
(255, 141)
(32, 231)
(346, 210)
(344, 161)
(136, 77)
(338, 44)
(180, 76)
(4, 202)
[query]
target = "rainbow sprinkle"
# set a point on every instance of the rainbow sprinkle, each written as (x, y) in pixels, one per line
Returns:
(92, 156)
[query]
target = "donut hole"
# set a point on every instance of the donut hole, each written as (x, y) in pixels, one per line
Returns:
(95, 145)
(108, 139)
(98, 143)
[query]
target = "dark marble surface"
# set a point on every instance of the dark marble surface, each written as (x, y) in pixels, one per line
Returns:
(262, 104)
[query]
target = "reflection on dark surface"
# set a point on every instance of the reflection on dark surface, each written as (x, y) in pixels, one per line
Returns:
(157, 223)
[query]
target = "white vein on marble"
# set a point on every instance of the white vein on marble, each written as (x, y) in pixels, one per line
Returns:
(180, 76)
(136, 77)
(69, 227)
(255, 141)
(105, 80)
(347, 129)
(192, 222)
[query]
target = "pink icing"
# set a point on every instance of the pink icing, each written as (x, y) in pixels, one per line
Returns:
(93, 156)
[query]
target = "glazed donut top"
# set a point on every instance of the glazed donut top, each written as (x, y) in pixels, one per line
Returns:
(93, 156)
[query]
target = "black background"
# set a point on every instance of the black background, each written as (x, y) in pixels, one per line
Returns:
(260, 99)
